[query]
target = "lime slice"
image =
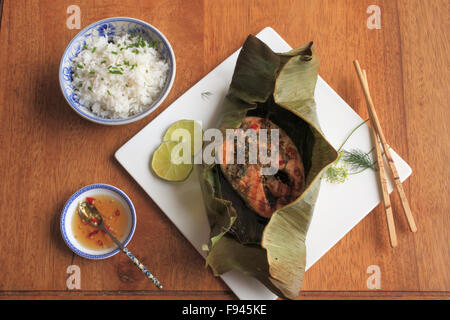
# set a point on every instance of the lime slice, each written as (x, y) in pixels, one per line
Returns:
(184, 131)
(167, 161)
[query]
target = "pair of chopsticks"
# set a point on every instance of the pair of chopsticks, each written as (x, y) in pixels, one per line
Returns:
(377, 134)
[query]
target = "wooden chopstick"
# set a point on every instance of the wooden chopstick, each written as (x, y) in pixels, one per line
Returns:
(390, 160)
(383, 181)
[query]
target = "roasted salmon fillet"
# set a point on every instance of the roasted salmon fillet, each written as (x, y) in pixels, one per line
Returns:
(262, 192)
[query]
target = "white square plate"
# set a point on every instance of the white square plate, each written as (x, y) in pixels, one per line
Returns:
(338, 209)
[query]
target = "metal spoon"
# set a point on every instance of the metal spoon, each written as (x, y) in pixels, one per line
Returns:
(90, 214)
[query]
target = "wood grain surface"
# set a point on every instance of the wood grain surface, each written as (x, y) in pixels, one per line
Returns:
(49, 152)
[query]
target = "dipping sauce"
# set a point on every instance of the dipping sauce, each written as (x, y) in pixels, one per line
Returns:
(115, 217)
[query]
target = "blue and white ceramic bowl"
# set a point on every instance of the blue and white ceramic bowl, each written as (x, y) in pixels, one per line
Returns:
(111, 27)
(70, 209)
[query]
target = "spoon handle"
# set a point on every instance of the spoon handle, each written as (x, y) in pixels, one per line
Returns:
(149, 275)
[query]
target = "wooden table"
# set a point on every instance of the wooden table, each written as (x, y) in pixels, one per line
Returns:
(44, 143)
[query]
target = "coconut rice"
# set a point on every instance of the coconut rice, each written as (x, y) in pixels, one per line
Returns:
(118, 77)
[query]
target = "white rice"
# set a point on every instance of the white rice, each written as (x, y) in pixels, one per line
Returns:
(114, 80)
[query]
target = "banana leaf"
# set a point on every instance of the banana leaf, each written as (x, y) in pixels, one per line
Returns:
(280, 87)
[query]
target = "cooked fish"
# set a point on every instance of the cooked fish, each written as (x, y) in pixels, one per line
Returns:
(264, 193)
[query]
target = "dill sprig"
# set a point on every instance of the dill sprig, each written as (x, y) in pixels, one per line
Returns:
(337, 173)
(358, 160)
(349, 162)
(350, 134)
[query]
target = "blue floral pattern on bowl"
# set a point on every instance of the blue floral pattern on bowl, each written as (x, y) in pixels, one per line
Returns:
(109, 28)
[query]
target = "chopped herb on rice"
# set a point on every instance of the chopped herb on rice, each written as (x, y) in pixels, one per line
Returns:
(116, 91)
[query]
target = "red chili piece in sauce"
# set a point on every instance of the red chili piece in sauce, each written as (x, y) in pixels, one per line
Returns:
(90, 200)
(117, 213)
(92, 233)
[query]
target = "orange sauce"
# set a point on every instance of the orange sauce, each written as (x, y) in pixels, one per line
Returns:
(114, 216)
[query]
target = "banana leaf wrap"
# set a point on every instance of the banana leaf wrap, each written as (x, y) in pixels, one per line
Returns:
(280, 87)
